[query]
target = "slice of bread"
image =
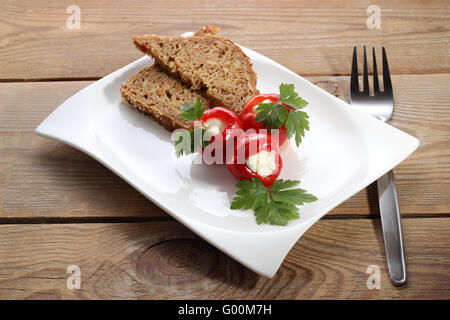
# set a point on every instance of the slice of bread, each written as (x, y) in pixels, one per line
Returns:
(210, 62)
(159, 96)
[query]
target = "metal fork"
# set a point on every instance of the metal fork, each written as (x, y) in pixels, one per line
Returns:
(381, 106)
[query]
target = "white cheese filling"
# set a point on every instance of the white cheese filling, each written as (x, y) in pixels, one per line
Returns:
(262, 163)
(214, 126)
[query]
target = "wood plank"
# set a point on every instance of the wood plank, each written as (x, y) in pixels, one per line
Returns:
(309, 37)
(160, 260)
(44, 178)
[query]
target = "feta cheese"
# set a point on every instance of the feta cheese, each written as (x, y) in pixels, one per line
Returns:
(262, 163)
(213, 126)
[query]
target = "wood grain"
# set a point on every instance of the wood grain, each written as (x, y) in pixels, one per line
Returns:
(160, 260)
(44, 178)
(309, 37)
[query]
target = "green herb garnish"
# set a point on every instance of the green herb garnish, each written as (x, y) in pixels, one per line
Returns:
(192, 111)
(275, 206)
(187, 142)
(274, 115)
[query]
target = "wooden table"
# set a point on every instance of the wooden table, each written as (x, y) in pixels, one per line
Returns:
(59, 207)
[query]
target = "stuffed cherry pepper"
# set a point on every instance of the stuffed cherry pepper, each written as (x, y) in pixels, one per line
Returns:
(248, 115)
(256, 156)
(219, 122)
(210, 129)
(277, 112)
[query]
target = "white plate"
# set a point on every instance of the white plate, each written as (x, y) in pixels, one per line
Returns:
(344, 151)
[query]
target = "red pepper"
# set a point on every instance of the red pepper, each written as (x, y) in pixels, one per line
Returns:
(248, 115)
(229, 118)
(250, 144)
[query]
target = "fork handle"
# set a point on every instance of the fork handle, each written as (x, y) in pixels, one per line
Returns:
(392, 228)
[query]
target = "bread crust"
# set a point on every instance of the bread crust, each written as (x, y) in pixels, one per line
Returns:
(210, 29)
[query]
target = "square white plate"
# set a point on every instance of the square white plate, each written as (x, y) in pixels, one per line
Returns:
(344, 151)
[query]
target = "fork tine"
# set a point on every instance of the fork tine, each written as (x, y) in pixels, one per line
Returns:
(354, 83)
(365, 74)
(386, 75)
(376, 86)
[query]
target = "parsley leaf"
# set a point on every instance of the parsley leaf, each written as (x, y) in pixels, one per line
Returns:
(290, 97)
(188, 141)
(276, 213)
(275, 206)
(252, 194)
(191, 111)
(274, 115)
(184, 142)
(297, 123)
(284, 184)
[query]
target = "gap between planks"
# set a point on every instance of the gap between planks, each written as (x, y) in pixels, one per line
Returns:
(75, 220)
(303, 75)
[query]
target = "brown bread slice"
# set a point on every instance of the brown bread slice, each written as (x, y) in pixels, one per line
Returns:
(209, 62)
(159, 96)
